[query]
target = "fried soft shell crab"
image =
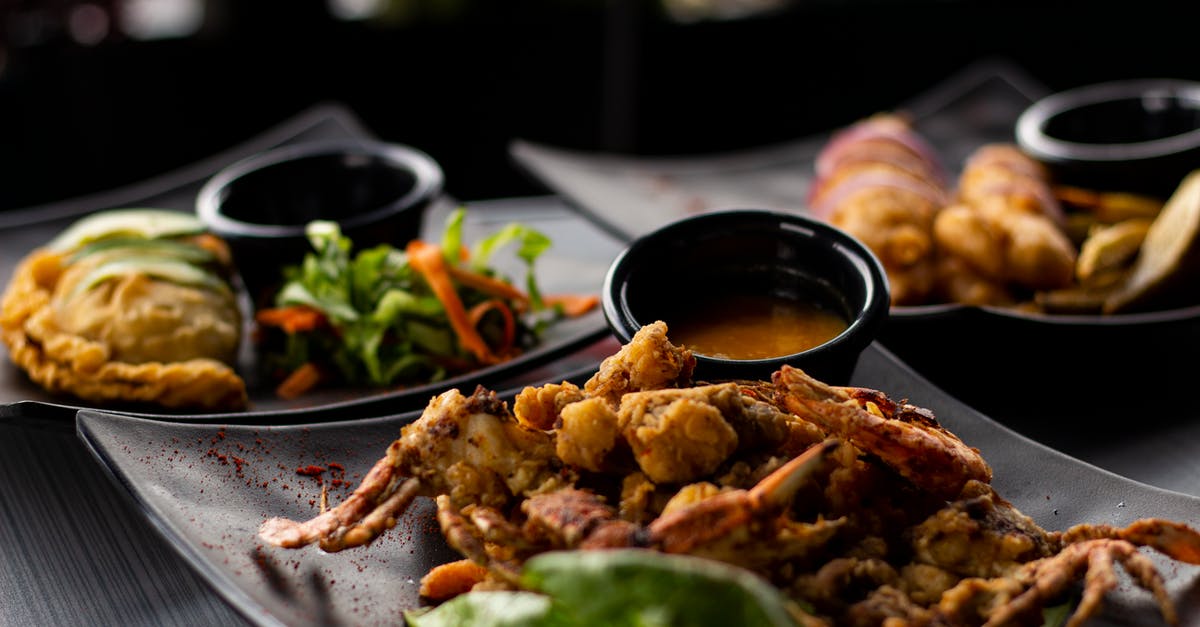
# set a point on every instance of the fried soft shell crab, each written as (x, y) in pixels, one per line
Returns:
(862, 509)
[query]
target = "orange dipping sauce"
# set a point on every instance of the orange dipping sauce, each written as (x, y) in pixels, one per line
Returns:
(755, 326)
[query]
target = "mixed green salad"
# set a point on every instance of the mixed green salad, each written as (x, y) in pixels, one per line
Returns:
(385, 316)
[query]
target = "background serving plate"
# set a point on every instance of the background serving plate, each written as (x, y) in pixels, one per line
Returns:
(207, 488)
(969, 351)
(575, 263)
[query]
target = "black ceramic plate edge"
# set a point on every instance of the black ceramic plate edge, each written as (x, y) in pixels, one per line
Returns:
(218, 579)
(1056, 490)
(387, 402)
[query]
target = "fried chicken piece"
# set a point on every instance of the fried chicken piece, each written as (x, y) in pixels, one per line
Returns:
(958, 282)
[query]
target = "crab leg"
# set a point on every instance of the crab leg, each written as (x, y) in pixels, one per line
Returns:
(1049, 577)
(468, 539)
(910, 442)
(1175, 540)
(685, 529)
(367, 512)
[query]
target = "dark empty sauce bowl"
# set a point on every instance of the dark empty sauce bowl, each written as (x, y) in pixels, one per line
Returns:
(1136, 136)
(694, 267)
(377, 192)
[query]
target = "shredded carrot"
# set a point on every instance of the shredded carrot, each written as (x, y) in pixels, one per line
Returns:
(486, 284)
(476, 314)
(573, 305)
(451, 579)
(214, 245)
(292, 319)
(300, 381)
(427, 259)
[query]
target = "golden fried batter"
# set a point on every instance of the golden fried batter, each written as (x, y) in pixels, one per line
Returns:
(676, 438)
(132, 339)
(647, 362)
(589, 432)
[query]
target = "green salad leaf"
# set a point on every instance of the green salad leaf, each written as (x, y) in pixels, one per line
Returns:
(385, 323)
(491, 609)
(626, 587)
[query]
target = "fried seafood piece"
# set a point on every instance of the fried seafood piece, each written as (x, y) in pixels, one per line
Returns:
(469, 449)
(1010, 567)
(887, 520)
(681, 435)
(588, 433)
(140, 328)
(473, 450)
(746, 527)
(879, 181)
(979, 535)
(1018, 597)
(674, 435)
(1006, 228)
(648, 362)
(906, 438)
(539, 407)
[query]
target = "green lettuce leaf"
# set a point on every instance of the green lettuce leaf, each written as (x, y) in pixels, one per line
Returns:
(490, 609)
(621, 588)
(387, 325)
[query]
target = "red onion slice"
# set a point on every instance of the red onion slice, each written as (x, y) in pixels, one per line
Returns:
(887, 127)
(822, 202)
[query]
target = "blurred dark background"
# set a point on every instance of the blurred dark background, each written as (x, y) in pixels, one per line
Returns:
(96, 94)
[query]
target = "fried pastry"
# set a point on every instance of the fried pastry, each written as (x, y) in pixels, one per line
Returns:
(128, 306)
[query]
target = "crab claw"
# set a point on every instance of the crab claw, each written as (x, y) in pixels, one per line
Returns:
(370, 510)
(1175, 540)
(685, 529)
(908, 440)
(1047, 578)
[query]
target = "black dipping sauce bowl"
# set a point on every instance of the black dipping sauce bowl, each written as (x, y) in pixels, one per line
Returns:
(687, 264)
(1131, 136)
(377, 192)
